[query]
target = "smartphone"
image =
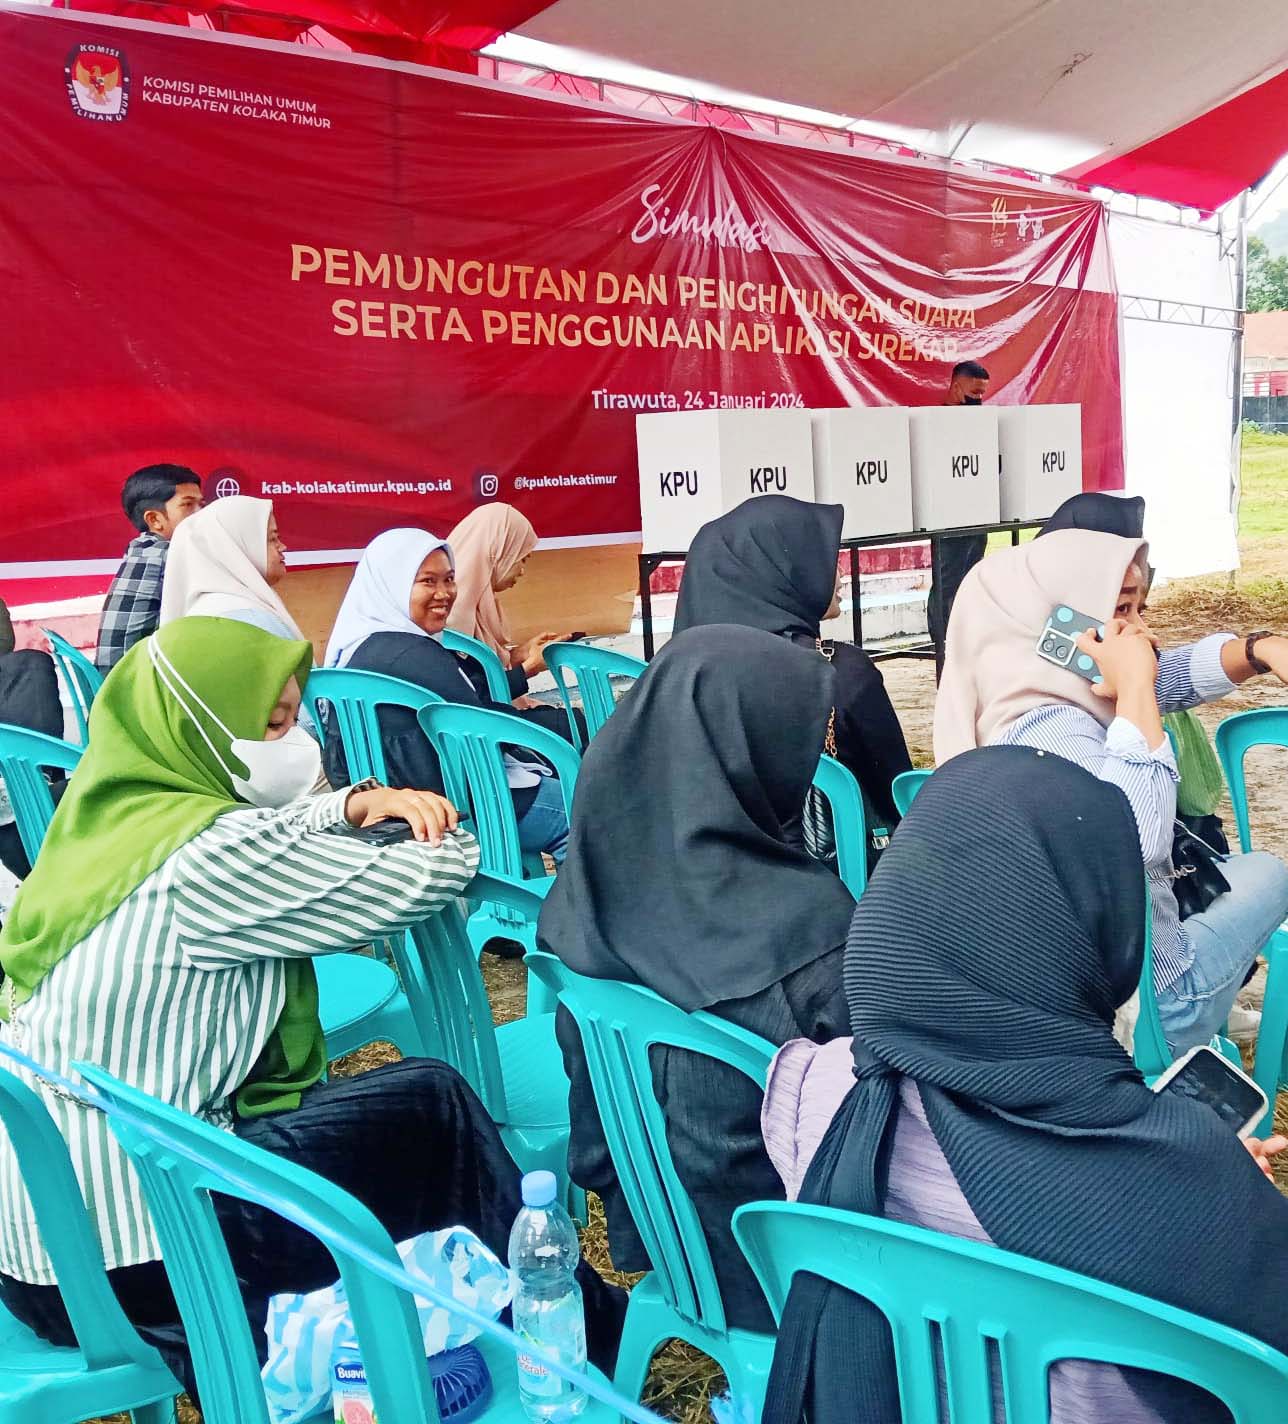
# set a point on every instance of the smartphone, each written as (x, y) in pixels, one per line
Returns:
(1057, 641)
(575, 637)
(1208, 1077)
(387, 832)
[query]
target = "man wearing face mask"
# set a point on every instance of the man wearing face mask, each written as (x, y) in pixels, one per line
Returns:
(959, 553)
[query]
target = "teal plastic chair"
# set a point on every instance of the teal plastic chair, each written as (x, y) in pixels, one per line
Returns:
(25, 756)
(904, 789)
(81, 678)
(498, 685)
(679, 1297)
(955, 1306)
(593, 669)
(180, 1161)
(1235, 738)
(359, 999)
(516, 1069)
(353, 699)
(849, 824)
(470, 743)
(110, 1369)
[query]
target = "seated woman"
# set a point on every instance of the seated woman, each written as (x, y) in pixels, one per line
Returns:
(771, 563)
(28, 698)
(984, 1096)
(391, 621)
(997, 690)
(228, 565)
(167, 933)
(679, 877)
(491, 546)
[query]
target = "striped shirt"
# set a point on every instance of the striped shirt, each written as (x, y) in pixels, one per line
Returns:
(1186, 677)
(179, 989)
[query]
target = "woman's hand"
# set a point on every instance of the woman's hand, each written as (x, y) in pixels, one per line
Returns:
(1125, 656)
(1263, 1150)
(1273, 651)
(534, 653)
(427, 813)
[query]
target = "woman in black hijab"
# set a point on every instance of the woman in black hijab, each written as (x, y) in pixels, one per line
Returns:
(771, 564)
(28, 698)
(1103, 513)
(679, 877)
(1026, 940)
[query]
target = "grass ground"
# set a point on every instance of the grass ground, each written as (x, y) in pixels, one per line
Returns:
(683, 1381)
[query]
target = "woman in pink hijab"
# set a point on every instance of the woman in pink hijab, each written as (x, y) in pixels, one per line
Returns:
(491, 546)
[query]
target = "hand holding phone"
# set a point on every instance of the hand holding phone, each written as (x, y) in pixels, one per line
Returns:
(1210, 1078)
(1058, 641)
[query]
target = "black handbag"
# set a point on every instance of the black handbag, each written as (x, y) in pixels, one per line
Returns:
(1196, 871)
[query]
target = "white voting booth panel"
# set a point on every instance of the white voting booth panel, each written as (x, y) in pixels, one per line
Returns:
(954, 467)
(862, 461)
(1041, 455)
(697, 465)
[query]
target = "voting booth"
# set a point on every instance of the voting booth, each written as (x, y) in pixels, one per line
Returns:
(1041, 453)
(954, 466)
(862, 461)
(696, 465)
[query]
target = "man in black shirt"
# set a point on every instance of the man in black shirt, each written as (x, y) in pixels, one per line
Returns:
(958, 554)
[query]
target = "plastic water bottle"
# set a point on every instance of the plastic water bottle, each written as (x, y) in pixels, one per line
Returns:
(548, 1315)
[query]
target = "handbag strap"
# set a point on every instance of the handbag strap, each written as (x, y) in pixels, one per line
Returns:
(828, 649)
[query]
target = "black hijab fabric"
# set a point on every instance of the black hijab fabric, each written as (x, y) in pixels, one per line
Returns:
(985, 962)
(678, 876)
(770, 563)
(1104, 513)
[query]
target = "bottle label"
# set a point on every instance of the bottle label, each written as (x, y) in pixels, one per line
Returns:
(350, 1394)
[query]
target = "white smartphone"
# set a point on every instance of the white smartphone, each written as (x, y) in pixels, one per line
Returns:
(1209, 1077)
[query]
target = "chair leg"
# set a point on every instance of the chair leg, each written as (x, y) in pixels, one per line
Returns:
(1272, 1038)
(649, 1325)
(747, 1363)
(164, 1411)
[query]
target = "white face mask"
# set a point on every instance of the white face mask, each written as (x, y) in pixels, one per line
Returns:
(277, 772)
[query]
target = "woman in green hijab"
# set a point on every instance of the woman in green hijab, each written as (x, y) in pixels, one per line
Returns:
(167, 932)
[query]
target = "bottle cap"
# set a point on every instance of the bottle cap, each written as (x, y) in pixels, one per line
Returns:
(539, 1188)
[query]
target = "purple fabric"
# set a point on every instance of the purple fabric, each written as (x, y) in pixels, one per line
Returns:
(807, 1082)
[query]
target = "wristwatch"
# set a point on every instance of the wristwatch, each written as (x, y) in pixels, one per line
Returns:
(1253, 660)
(370, 783)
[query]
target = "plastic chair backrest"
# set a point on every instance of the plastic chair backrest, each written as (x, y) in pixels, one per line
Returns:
(498, 685)
(1235, 738)
(1149, 1043)
(593, 669)
(904, 788)
(439, 970)
(180, 1161)
(82, 678)
(619, 1023)
(956, 1308)
(849, 825)
(23, 754)
(105, 1337)
(355, 698)
(469, 743)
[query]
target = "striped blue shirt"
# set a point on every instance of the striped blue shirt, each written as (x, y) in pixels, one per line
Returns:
(1118, 754)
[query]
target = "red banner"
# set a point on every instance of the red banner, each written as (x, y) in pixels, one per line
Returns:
(379, 295)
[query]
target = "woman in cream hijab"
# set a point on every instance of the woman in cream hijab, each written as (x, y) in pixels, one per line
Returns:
(491, 546)
(227, 565)
(997, 691)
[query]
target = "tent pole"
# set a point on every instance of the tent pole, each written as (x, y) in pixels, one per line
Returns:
(1240, 301)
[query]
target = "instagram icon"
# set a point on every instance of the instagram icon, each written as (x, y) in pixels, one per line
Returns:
(486, 485)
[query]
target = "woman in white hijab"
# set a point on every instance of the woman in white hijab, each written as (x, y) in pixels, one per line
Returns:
(391, 622)
(226, 565)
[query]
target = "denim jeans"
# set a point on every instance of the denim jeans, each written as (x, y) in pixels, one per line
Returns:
(544, 825)
(1226, 938)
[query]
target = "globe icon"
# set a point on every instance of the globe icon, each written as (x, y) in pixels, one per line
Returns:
(227, 487)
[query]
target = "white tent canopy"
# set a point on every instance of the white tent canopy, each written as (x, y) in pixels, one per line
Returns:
(1043, 84)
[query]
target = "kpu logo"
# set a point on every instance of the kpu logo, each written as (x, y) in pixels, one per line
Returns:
(98, 83)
